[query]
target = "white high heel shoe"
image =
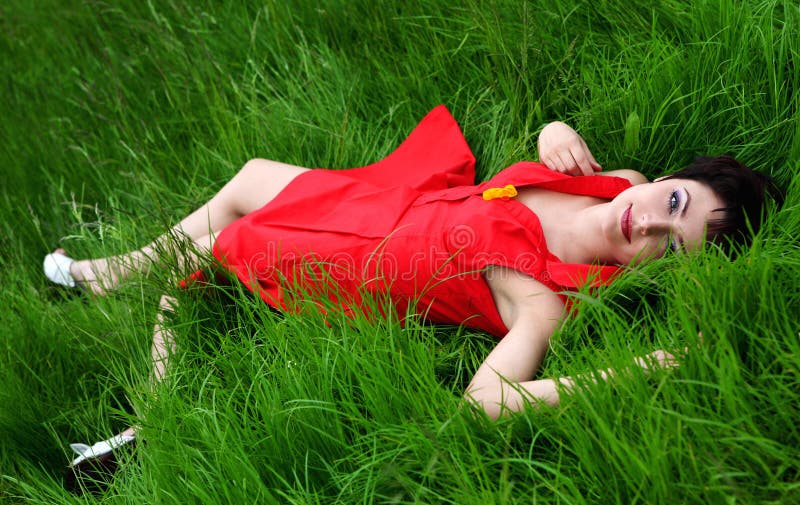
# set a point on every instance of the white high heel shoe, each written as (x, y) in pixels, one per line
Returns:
(95, 465)
(100, 449)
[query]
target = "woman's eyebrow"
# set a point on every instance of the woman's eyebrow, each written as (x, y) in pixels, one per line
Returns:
(688, 201)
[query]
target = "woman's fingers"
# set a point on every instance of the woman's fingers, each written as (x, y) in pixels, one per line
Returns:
(584, 160)
(558, 147)
(664, 359)
(657, 359)
(582, 164)
(573, 160)
(569, 164)
(554, 163)
(563, 150)
(597, 167)
(563, 162)
(577, 162)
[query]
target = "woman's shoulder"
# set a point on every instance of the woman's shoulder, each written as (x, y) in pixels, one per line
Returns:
(517, 294)
(631, 175)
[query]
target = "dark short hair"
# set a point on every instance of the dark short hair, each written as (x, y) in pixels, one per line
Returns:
(743, 191)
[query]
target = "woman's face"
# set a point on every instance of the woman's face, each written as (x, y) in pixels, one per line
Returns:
(646, 220)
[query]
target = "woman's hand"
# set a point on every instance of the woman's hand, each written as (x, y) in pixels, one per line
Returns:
(563, 150)
(664, 359)
(657, 359)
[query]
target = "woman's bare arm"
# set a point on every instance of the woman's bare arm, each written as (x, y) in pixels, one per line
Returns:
(532, 312)
(504, 382)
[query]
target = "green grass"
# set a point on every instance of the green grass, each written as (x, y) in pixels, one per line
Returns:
(121, 117)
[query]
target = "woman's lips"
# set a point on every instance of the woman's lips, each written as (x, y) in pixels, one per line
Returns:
(625, 224)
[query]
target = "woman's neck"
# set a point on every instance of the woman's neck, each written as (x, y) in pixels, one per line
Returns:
(585, 241)
(572, 224)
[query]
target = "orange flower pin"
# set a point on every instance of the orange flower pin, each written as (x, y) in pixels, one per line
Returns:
(504, 193)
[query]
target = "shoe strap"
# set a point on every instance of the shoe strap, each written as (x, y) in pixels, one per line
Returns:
(80, 449)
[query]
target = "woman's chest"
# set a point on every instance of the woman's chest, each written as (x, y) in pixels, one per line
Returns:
(557, 213)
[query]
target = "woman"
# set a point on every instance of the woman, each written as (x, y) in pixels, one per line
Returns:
(415, 228)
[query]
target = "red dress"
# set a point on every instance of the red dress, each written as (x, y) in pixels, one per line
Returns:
(413, 226)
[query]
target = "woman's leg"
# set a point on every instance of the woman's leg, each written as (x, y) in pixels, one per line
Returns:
(163, 344)
(161, 349)
(256, 184)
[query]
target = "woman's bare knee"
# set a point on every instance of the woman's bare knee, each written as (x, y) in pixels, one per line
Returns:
(205, 244)
(259, 181)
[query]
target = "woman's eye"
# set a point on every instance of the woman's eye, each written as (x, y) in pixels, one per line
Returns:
(674, 200)
(672, 245)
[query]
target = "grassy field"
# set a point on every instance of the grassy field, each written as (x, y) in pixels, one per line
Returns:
(118, 118)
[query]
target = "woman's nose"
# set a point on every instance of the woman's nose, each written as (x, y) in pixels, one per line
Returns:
(650, 225)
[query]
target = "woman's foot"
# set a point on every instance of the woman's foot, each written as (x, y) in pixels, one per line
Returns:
(98, 276)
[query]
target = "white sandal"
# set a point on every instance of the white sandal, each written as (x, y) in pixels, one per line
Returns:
(94, 467)
(56, 269)
(100, 449)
